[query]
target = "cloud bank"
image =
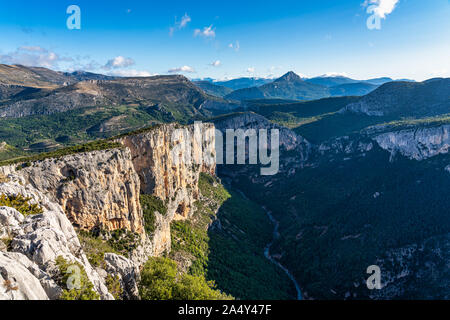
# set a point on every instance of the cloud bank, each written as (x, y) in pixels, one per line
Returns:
(186, 69)
(118, 62)
(34, 56)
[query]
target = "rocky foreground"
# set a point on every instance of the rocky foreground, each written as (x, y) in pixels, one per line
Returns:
(89, 191)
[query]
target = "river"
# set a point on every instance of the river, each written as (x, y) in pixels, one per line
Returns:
(276, 234)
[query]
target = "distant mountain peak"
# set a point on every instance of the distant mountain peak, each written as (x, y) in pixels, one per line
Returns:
(334, 75)
(290, 76)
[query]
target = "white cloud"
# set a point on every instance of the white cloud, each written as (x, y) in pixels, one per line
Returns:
(216, 63)
(184, 21)
(131, 73)
(180, 24)
(381, 7)
(118, 62)
(251, 70)
(186, 69)
(334, 74)
(33, 56)
(207, 32)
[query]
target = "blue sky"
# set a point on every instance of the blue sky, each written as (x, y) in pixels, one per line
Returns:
(227, 39)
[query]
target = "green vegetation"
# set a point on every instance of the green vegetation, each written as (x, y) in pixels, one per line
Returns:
(232, 254)
(114, 287)
(340, 217)
(21, 204)
(151, 204)
(73, 127)
(160, 281)
(296, 114)
(8, 152)
(68, 273)
(336, 125)
(95, 247)
(88, 147)
(96, 243)
(412, 122)
(122, 241)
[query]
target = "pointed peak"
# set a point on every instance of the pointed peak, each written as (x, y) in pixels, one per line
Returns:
(290, 76)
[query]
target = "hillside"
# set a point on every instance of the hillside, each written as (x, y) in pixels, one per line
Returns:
(331, 81)
(417, 99)
(289, 86)
(241, 83)
(32, 76)
(176, 93)
(352, 89)
(358, 198)
(213, 89)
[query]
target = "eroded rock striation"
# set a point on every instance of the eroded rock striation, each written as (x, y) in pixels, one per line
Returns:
(416, 143)
(101, 190)
(28, 267)
(95, 189)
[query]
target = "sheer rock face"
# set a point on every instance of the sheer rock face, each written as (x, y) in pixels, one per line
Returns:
(17, 282)
(99, 188)
(29, 267)
(416, 143)
(102, 188)
(169, 160)
(127, 272)
(288, 138)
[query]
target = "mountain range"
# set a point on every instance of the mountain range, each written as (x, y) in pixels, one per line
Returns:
(362, 181)
(291, 86)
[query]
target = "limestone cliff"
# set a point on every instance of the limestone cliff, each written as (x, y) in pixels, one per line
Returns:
(168, 161)
(173, 178)
(27, 268)
(416, 143)
(102, 188)
(95, 189)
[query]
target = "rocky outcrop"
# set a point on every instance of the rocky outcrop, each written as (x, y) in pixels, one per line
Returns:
(28, 268)
(101, 189)
(16, 281)
(345, 146)
(95, 189)
(127, 272)
(169, 160)
(249, 120)
(416, 143)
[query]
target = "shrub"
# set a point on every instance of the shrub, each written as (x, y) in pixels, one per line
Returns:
(21, 204)
(123, 241)
(86, 288)
(95, 248)
(96, 243)
(88, 147)
(159, 281)
(114, 287)
(158, 278)
(150, 204)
